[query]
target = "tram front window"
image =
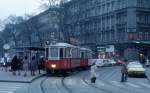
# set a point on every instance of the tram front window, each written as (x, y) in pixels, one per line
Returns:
(53, 52)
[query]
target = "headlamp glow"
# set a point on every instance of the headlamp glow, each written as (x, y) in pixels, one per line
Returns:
(53, 66)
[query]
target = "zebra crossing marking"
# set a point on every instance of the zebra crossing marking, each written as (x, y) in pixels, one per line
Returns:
(9, 87)
(6, 91)
(144, 84)
(132, 85)
(117, 83)
(100, 83)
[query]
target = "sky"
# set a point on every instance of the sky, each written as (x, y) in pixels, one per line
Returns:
(18, 7)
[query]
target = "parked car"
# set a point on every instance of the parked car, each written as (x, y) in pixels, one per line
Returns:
(112, 62)
(2, 63)
(135, 68)
(99, 63)
(107, 63)
(147, 63)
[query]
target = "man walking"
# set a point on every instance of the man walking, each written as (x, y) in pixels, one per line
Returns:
(124, 72)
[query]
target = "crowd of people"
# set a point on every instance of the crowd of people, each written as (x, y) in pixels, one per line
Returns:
(22, 65)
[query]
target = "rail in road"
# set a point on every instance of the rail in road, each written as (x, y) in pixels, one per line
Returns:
(62, 81)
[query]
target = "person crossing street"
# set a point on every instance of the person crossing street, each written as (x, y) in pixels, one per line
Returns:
(93, 72)
(124, 72)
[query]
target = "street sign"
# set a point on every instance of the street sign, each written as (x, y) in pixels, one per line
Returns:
(101, 49)
(110, 48)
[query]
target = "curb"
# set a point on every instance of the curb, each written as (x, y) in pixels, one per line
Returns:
(13, 81)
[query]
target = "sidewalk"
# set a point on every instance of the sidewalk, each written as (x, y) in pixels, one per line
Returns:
(8, 77)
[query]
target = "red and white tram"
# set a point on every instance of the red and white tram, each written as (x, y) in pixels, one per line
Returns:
(64, 57)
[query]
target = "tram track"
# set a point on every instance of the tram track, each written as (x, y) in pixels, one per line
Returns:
(42, 85)
(60, 81)
(65, 86)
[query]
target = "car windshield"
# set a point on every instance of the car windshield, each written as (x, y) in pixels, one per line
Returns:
(135, 66)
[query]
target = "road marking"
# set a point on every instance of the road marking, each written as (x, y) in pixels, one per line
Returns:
(6, 91)
(9, 87)
(144, 84)
(116, 83)
(132, 85)
(100, 83)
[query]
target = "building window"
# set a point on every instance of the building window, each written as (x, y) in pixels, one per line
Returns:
(141, 3)
(140, 35)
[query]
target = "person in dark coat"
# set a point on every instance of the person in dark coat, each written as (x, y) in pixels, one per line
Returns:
(124, 72)
(14, 65)
(19, 65)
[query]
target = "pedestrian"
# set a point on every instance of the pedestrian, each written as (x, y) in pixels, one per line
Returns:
(19, 65)
(33, 66)
(93, 72)
(25, 65)
(124, 72)
(5, 63)
(14, 65)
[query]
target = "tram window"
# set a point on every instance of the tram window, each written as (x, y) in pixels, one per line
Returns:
(61, 53)
(47, 52)
(75, 53)
(68, 54)
(54, 52)
(82, 54)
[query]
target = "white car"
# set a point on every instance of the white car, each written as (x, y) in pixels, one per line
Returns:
(112, 62)
(99, 63)
(135, 68)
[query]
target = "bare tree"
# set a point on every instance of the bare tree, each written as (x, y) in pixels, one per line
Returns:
(1, 25)
(10, 31)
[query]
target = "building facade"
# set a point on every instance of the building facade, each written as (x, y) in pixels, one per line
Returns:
(125, 24)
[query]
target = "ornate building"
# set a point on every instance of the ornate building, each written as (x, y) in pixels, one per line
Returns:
(125, 24)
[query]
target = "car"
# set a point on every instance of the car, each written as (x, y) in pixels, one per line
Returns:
(135, 68)
(112, 62)
(99, 63)
(2, 62)
(107, 63)
(120, 62)
(147, 63)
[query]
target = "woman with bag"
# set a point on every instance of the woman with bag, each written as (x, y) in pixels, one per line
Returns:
(93, 72)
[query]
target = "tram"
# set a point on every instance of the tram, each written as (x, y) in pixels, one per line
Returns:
(64, 57)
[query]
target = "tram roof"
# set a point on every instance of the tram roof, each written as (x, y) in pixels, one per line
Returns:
(32, 48)
(85, 49)
(62, 45)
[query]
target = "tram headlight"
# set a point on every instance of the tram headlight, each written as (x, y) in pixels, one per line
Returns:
(53, 66)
